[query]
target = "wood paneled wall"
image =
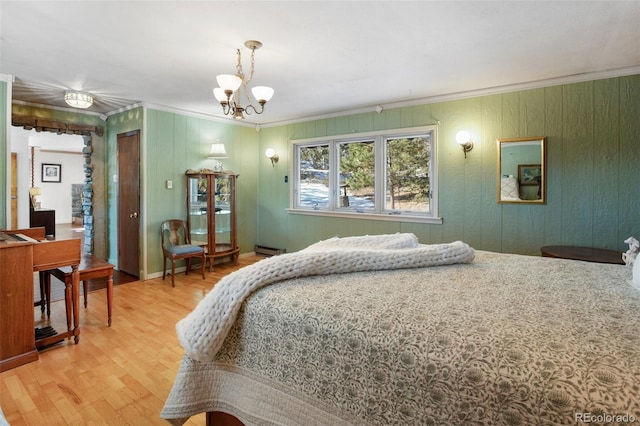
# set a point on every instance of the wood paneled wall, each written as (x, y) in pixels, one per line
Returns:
(593, 131)
(175, 143)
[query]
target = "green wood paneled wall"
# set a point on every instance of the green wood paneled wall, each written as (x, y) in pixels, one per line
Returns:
(593, 193)
(175, 143)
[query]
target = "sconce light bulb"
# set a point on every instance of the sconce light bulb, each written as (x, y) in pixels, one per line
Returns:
(463, 137)
(271, 155)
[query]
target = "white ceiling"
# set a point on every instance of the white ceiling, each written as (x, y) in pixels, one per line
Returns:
(322, 57)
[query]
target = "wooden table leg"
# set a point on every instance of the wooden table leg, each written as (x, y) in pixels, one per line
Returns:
(109, 295)
(43, 292)
(68, 303)
(75, 289)
(47, 290)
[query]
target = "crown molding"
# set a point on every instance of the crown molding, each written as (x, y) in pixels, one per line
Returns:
(188, 113)
(7, 78)
(575, 78)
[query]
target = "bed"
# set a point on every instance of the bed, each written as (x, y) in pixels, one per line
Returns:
(472, 337)
(509, 189)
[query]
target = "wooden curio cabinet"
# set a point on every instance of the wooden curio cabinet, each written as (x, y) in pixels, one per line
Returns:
(211, 213)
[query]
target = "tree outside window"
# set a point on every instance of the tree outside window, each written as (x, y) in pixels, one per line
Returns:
(380, 175)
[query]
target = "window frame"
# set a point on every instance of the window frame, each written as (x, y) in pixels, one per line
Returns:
(379, 212)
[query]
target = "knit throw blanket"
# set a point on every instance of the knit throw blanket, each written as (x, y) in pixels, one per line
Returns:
(203, 331)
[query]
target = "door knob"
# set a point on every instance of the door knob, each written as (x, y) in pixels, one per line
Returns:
(134, 215)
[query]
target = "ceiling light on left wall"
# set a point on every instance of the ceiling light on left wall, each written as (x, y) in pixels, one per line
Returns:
(78, 99)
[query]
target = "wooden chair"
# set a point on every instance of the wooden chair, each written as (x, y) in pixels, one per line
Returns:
(176, 244)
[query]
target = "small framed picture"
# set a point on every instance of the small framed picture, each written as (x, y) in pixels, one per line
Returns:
(529, 174)
(51, 172)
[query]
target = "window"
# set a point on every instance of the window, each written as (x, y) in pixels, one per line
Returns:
(313, 175)
(388, 175)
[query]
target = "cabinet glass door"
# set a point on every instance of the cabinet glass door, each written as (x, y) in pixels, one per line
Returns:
(198, 209)
(223, 200)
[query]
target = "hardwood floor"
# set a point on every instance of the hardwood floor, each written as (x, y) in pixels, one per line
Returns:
(115, 375)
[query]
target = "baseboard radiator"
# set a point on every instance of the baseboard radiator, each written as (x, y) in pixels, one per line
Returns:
(268, 251)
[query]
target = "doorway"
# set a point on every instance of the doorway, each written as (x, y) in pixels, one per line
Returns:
(128, 152)
(32, 149)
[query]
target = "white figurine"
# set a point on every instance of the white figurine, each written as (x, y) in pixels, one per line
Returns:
(634, 247)
(630, 259)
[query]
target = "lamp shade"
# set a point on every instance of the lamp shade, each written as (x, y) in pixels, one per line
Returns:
(218, 92)
(229, 82)
(35, 191)
(217, 151)
(262, 93)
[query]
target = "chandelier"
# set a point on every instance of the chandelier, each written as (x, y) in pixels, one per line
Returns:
(231, 88)
(78, 99)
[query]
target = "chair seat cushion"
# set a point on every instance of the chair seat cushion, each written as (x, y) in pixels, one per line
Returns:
(184, 249)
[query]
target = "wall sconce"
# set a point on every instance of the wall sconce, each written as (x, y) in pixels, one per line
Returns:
(217, 152)
(271, 155)
(464, 139)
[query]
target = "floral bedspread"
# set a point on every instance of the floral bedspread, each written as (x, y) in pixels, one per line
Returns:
(507, 339)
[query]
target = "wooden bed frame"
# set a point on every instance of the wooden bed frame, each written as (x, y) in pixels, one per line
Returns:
(218, 418)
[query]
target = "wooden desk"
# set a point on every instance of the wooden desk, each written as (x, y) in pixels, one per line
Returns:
(587, 254)
(90, 267)
(18, 261)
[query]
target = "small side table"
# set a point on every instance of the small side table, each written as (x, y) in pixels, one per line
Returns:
(587, 254)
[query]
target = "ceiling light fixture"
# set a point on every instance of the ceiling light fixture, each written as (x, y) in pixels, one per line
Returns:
(78, 99)
(231, 87)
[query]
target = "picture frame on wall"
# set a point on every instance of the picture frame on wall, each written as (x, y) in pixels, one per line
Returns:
(529, 174)
(51, 172)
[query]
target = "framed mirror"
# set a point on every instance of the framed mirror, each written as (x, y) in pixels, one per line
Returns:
(522, 170)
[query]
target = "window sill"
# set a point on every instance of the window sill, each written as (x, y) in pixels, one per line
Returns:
(368, 216)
